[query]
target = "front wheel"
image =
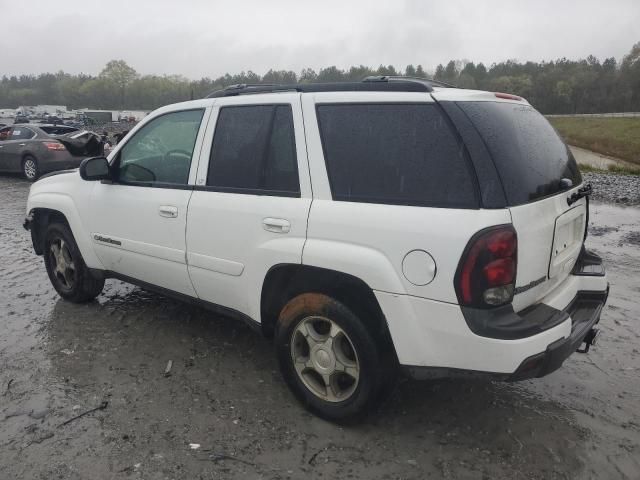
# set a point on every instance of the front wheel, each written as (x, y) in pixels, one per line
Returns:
(30, 168)
(67, 271)
(328, 357)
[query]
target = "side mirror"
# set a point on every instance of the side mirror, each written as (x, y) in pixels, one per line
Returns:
(95, 168)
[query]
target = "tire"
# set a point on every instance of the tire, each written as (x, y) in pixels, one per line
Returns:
(67, 271)
(347, 369)
(30, 168)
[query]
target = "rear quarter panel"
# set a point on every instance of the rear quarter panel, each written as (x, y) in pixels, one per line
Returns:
(370, 241)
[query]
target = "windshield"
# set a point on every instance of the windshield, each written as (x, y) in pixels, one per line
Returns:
(529, 155)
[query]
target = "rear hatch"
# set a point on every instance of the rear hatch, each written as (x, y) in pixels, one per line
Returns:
(538, 174)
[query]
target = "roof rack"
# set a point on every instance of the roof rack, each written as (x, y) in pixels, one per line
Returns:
(382, 83)
(407, 78)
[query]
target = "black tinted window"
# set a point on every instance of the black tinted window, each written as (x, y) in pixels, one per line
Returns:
(394, 153)
(530, 156)
(254, 149)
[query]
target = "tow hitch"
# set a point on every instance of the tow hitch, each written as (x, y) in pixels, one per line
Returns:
(590, 340)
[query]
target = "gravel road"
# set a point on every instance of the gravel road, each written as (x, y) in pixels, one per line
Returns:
(58, 360)
(620, 189)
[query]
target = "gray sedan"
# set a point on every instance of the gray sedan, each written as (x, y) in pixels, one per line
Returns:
(37, 149)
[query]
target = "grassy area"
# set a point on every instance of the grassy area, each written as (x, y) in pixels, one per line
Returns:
(618, 137)
(612, 169)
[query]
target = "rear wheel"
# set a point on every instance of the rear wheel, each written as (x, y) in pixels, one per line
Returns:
(328, 357)
(67, 271)
(30, 168)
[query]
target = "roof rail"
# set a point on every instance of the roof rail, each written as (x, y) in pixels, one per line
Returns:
(402, 78)
(369, 84)
(248, 88)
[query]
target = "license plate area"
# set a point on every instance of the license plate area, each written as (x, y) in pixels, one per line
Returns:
(567, 240)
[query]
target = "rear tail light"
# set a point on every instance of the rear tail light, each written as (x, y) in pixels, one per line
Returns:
(486, 275)
(57, 146)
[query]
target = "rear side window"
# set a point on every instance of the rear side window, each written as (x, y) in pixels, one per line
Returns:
(254, 151)
(394, 153)
(22, 133)
(529, 155)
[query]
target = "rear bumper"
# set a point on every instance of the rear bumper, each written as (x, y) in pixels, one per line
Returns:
(433, 339)
(585, 312)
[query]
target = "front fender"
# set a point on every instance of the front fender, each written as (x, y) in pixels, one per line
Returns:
(64, 204)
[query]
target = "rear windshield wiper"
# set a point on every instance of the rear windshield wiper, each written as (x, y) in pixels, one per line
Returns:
(582, 192)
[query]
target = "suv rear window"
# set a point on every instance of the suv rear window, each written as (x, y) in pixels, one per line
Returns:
(529, 155)
(402, 154)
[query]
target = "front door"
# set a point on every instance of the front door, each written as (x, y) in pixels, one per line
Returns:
(139, 220)
(250, 206)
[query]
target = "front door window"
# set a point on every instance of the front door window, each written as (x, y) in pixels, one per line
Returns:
(161, 151)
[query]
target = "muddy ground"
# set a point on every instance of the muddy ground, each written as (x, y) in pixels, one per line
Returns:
(58, 360)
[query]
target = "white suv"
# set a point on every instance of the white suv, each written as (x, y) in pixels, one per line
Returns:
(369, 226)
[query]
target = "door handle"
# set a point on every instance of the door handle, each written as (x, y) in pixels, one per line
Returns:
(276, 225)
(168, 211)
(21, 144)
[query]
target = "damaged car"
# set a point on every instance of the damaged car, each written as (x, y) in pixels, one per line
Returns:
(35, 150)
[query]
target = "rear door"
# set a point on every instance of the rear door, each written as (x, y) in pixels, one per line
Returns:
(538, 173)
(250, 206)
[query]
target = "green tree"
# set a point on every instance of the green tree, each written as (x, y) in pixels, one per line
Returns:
(121, 74)
(558, 86)
(330, 74)
(308, 75)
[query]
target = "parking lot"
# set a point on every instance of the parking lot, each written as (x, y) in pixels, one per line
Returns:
(225, 394)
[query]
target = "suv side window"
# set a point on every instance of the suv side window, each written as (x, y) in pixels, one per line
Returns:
(404, 154)
(254, 151)
(161, 151)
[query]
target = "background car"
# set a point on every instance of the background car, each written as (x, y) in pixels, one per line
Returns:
(33, 150)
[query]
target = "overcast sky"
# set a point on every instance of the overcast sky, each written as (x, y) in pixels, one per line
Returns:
(197, 38)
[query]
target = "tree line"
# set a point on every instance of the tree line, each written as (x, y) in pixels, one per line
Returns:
(560, 86)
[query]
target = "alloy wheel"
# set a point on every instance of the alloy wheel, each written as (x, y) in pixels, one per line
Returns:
(325, 359)
(30, 168)
(62, 263)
